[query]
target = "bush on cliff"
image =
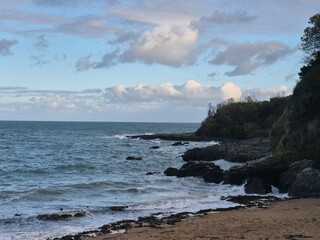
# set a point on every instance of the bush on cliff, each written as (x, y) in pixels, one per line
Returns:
(242, 120)
(296, 135)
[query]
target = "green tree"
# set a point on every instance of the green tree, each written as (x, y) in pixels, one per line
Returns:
(310, 41)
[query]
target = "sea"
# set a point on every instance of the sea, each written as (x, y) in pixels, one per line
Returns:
(65, 167)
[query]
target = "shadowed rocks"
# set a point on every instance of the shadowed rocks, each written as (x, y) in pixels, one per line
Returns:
(208, 171)
(232, 151)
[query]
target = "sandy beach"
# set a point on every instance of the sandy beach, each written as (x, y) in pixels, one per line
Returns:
(290, 219)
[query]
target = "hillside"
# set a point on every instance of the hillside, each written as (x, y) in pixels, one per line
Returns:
(296, 135)
(242, 119)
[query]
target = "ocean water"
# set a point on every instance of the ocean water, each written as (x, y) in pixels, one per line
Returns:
(54, 167)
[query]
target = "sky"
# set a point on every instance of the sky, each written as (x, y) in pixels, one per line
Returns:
(145, 60)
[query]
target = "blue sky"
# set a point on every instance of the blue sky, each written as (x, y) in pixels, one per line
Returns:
(143, 60)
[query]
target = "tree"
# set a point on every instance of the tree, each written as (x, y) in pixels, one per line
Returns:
(310, 41)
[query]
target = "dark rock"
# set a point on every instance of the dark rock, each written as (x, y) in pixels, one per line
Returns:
(307, 184)
(133, 158)
(251, 201)
(171, 171)
(287, 178)
(151, 173)
(173, 137)
(154, 147)
(268, 170)
(232, 151)
(118, 208)
(257, 186)
(60, 216)
(179, 143)
(208, 171)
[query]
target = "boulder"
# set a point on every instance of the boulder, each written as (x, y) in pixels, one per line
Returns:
(287, 178)
(208, 171)
(257, 186)
(154, 147)
(267, 170)
(133, 158)
(306, 184)
(171, 171)
(151, 173)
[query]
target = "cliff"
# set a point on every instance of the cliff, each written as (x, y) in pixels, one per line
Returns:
(296, 135)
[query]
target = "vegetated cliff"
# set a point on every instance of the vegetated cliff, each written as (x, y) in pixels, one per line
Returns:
(296, 135)
(242, 120)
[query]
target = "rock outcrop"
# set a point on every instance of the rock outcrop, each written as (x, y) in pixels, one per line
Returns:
(257, 186)
(301, 180)
(288, 178)
(306, 184)
(268, 170)
(208, 171)
(232, 151)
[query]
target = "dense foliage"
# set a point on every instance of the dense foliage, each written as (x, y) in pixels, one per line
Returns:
(242, 119)
(296, 135)
(310, 41)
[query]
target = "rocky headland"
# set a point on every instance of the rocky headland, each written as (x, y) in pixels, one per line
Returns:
(278, 141)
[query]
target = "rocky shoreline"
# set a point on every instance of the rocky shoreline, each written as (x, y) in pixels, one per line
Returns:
(300, 179)
(239, 151)
(258, 171)
(154, 221)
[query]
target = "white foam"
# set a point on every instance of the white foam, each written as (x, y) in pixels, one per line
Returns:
(226, 165)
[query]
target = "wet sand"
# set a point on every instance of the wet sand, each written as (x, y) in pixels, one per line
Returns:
(290, 219)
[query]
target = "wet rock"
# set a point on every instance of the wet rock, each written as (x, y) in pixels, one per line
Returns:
(173, 137)
(267, 170)
(118, 208)
(257, 186)
(151, 173)
(60, 216)
(208, 171)
(171, 171)
(179, 143)
(287, 178)
(306, 184)
(154, 147)
(251, 201)
(133, 158)
(232, 151)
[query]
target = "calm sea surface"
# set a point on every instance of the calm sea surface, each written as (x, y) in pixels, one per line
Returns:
(52, 167)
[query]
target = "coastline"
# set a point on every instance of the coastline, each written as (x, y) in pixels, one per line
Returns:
(285, 219)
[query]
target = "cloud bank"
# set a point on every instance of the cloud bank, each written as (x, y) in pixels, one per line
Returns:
(114, 103)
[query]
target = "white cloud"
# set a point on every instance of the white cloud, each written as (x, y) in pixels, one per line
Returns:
(167, 92)
(267, 93)
(230, 90)
(163, 44)
(152, 102)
